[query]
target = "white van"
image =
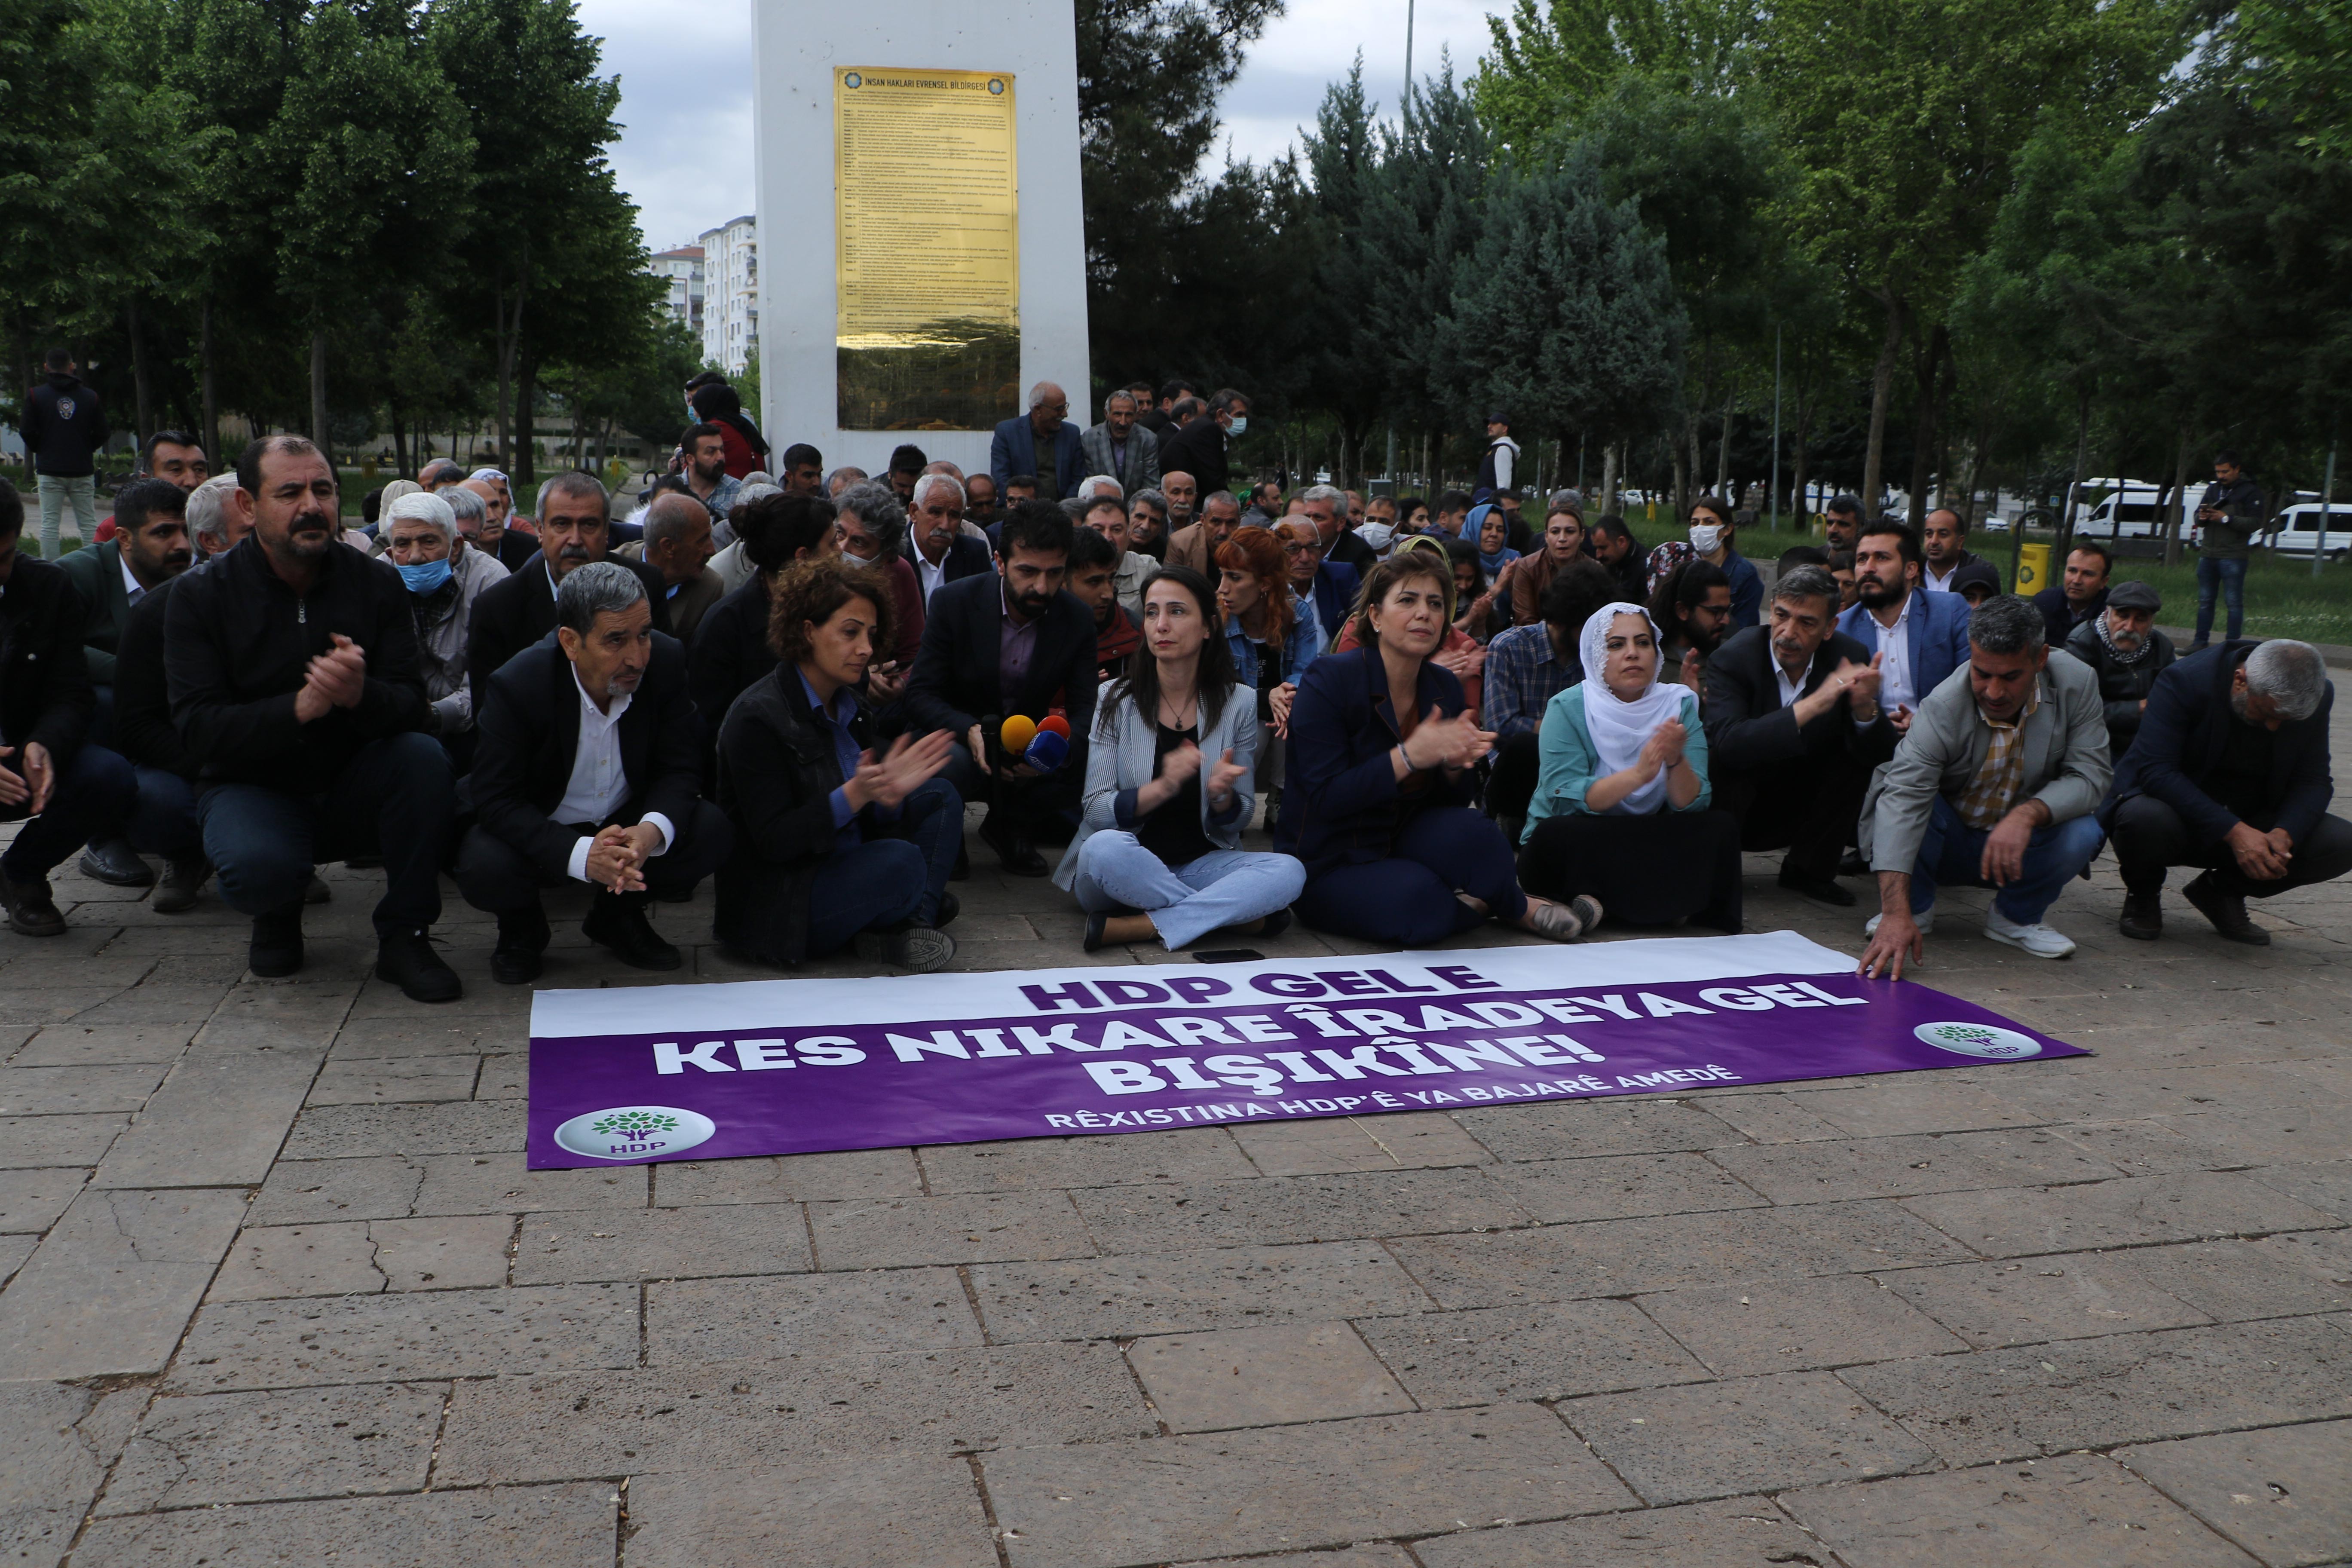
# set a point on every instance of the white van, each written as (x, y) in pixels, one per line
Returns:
(2296, 530)
(2130, 512)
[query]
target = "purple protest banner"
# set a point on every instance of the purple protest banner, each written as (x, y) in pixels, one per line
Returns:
(796, 1066)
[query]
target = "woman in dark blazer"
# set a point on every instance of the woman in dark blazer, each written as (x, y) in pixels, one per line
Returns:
(1379, 803)
(836, 846)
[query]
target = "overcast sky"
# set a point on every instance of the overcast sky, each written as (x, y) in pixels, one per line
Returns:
(685, 152)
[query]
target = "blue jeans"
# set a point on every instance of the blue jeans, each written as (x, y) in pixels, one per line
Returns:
(92, 795)
(885, 882)
(1408, 900)
(1953, 853)
(163, 819)
(2229, 577)
(1223, 887)
(79, 491)
(394, 798)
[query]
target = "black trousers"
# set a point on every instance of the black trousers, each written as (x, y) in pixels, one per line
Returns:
(2149, 836)
(1044, 809)
(1808, 806)
(495, 876)
(1646, 870)
(1513, 783)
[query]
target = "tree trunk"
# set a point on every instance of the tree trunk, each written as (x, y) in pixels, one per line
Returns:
(2074, 485)
(1681, 480)
(399, 440)
(1881, 393)
(1609, 478)
(212, 403)
(143, 425)
(526, 457)
(1797, 474)
(318, 394)
(2180, 492)
(1723, 456)
(1928, 370)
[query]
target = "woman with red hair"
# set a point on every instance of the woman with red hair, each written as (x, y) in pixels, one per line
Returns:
(1271, 647)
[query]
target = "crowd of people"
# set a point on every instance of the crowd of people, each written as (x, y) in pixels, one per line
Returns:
(792, 682)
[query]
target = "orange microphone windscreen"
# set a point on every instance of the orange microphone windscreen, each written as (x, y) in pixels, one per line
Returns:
(1017, 733)
(1057, 724)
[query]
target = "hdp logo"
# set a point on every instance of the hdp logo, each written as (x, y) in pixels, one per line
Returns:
(635, 1132)
(1988, 1040)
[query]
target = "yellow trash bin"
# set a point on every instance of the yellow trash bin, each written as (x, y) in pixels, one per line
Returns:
(2032, 569)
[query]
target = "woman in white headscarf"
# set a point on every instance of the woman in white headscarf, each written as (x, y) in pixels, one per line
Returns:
(1622, 809)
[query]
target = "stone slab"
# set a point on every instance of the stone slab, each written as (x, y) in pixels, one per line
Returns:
(217, 1120)
(1502, 1353)
(595, 1244)
(2080, 1511)
(2020, 1222)
(1028, 1164)
(31, 1201)
(376, 1187)
(91, 1045)
(1263, 1377)
(376, 1080)
(471, 1127)
(1996, 1405)
(523, 1527)
(1295, 1209)
(1624, 1186)
(2281, 1494)
(973, 1227)
(1800, 1324)
(1324, 1145)
(1760, 1434)
(1330, 1484)
(423, 1334)
(1230, 1287)
(808, 1402)
(887, 1510)
(1900, 1166)
(793, 1178)
(692, 1322)
(35, 1142)
(113, 1284)
(2066, 1296)
(259, 1447)
(64, 1091)
(1578, 1129)
(56, 1446)
(1740, 1532)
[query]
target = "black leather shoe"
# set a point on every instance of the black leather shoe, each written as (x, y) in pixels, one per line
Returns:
(1852, 864)
(522, 951)
(949, 907)
(1821, 890)
(2143, 917)
(181, 881)
(1093, 939)
(117, 864)
(317, 892)
(963, 872)
(1012, 847)
(406, 959)
(620, 925)
(1275, 923)
(2226, 910)
(31, 911)
(276, 948)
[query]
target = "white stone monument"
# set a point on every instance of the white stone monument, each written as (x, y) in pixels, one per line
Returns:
(938, 218)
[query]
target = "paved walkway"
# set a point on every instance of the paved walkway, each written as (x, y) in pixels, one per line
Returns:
(283, 1292)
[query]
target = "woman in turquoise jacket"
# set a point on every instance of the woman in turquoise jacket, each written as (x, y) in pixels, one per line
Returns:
(1622, 810)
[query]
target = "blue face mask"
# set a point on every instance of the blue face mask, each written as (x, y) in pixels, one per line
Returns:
(425, 577)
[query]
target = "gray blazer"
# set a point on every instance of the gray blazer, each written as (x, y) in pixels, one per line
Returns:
(2066, 763)
(1124, 756)
(1142, 468)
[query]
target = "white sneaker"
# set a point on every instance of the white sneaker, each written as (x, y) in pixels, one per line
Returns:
(2041, 941)
(1925, 919)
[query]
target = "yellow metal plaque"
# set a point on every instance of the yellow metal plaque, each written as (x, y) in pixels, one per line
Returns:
(927, 210)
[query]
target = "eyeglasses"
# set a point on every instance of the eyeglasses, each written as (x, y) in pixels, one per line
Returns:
(1293, 547)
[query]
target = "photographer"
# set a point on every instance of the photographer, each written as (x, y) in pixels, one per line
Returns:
(2230, 514)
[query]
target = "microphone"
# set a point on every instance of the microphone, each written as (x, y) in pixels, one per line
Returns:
(1051, 748)
(1016, 733)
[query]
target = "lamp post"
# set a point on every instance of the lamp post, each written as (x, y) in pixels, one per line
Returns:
(1776, 428)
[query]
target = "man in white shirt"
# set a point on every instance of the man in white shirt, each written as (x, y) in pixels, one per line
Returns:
(1943, 542)
(1921, 638)
(1106, 515)
(589, 769)
(936, 542)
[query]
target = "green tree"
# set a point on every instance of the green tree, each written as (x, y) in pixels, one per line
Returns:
(1548, 62)
(527, 76)
(1344, 363)
(1566, 312)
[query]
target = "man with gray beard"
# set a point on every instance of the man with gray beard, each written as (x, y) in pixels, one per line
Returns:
(574, 527)
(2122, 644)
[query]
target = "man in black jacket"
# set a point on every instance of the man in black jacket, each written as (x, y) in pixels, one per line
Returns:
(63, 430)
(589, 770)
(1199, 449)
(163, 821)
(2229, 773)
(1793, 732)
(941, 551)
(150, 548)
(574, 527)
(2122, 644)
(730, 649)
(296, 686)
(1004, 643)
(68, 789)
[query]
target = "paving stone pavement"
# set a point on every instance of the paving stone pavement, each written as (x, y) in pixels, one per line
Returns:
(280, 1289)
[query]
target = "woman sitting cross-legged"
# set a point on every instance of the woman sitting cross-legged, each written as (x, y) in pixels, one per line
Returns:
(835, 845)
(1621, 808)
(1378, 804)
(1169, 777)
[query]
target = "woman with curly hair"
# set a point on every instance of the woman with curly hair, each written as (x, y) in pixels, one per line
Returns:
(837, 845)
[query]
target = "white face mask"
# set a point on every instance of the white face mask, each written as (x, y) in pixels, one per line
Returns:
(861, 562)
(1705, 536)
(1239, 425)
(1376, 534)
